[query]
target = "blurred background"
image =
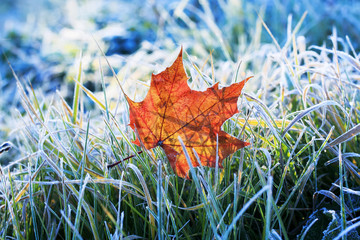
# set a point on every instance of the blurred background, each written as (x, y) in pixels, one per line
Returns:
(43, 40)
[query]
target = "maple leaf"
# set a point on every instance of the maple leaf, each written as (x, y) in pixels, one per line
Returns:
(171, 109)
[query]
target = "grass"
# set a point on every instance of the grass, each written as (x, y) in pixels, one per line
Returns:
(300, 112)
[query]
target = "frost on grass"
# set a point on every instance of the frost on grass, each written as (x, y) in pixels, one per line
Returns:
(301, 99)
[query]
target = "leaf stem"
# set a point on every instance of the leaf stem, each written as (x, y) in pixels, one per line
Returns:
(127, 158)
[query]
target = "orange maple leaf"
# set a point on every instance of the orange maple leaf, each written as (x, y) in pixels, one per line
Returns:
(171, 109)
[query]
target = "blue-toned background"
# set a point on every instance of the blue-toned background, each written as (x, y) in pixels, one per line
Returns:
(42, 39)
